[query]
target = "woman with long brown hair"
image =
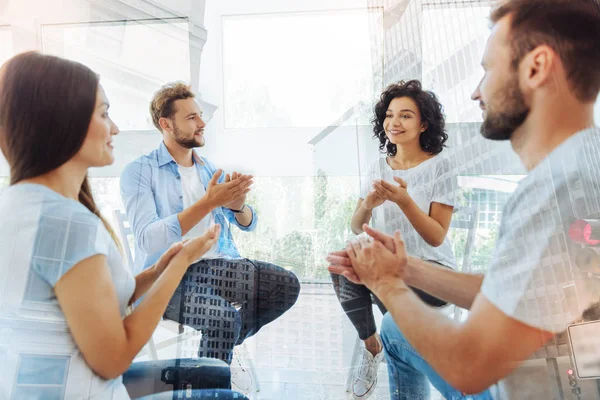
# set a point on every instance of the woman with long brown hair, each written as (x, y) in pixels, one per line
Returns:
(59, 259)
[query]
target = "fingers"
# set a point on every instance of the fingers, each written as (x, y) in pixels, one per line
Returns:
(363, 241)
(215, 178)
(387, 186)
(227, 178)
(341, 253)
(386, 240)
(339, 261)
(382, 190)
(337, 269)
(399, 243)
(352, 277)
(401, 181)
(350, 252)
(242, 181)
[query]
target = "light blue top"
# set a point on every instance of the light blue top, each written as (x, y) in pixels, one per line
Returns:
(152, 196)
(43, 235)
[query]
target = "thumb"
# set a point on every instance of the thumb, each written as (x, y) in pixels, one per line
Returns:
(215, 178)
(173, 249)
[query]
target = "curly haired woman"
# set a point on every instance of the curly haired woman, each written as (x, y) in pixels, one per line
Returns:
(410, 188)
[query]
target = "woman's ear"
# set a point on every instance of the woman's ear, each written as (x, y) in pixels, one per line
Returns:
(424, 126)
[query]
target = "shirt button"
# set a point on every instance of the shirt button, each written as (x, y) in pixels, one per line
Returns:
(180, 197)
(178, 178)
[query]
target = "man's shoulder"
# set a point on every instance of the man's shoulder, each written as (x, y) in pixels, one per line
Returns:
(150, 159)
(566, 184)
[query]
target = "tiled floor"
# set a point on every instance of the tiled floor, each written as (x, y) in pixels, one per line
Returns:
(305, 354)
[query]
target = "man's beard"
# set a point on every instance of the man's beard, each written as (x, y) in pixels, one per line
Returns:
(187, 143)
(502, 124)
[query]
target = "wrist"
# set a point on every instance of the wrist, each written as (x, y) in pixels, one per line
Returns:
(404, 203)
(391, 289)
(364, 207)
(237, 210)
(410, 270)
(207, 202)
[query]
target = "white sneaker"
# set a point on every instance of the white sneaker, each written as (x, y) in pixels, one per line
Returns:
(364, 375)
(241, 379)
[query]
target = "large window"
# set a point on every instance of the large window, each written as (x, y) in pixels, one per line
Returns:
(297, 69)
(133, 58)
(41, 377)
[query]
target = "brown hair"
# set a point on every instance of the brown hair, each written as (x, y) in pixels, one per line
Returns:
(163, 101)
(46, 104)
(570, 27)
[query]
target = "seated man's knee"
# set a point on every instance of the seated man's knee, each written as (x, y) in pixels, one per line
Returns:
(294, 289)
(390, 333)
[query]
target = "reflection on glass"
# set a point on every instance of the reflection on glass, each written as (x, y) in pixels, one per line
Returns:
(41, 377)
(453, 44)
(124, 54)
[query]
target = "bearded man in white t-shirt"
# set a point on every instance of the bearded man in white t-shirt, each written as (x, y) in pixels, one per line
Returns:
(542, 78)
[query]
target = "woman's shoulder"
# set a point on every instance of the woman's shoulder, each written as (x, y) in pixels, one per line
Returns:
(442, 163)
(378, 164)
(47, 204)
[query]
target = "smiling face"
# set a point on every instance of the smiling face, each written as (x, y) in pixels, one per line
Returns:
(97, 148)
(499, 93)
(187, 125)
(402, 123)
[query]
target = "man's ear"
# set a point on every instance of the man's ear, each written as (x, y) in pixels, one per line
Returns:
(165, 124)
(538, 67)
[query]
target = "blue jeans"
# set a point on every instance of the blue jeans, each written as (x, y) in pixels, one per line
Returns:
(206, 295)
(409, 373)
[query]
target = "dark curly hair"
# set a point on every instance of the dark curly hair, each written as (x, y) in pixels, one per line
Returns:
(434, 138)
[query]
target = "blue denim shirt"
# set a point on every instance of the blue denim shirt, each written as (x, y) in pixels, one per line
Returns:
(152, 195)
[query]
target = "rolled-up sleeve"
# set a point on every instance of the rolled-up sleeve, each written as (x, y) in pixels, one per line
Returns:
(231, 217)
(152, 233)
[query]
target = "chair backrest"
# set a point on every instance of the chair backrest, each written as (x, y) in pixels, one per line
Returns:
(466, 218)
(124, 231)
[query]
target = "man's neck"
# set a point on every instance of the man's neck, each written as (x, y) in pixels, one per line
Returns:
(181, 155)
(546, 129)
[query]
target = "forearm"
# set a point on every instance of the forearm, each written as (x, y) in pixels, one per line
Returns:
(244, 218)
(143, 281)
(141, 323)
(438, 339)
(361, 216)
(444, 283)
(428, 228)
(189, 217)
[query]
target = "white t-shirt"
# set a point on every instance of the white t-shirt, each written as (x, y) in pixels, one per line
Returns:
(533, 276)
(431, 181)
(193, 190)
(42, 236)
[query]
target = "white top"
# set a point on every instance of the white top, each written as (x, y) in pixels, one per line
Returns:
(42, 236)
(193, 190)
(431, 181)
(533, 276)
